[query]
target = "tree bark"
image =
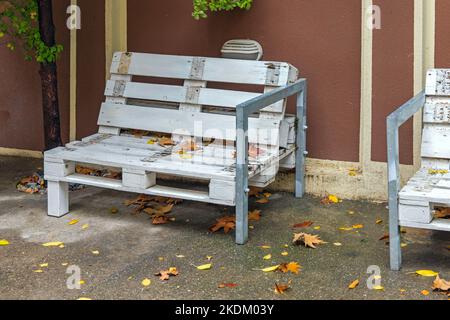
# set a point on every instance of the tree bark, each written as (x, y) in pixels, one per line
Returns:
(49, 79)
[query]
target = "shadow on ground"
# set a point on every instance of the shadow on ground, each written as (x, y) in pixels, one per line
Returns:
(132, 249)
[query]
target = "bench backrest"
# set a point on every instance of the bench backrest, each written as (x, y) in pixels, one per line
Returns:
(192, 108)
(436, 119)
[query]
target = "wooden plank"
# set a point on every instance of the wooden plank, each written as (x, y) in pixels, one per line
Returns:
(205, 125)
(437, 224)
(111, 159)
(58, 198)
(212, 69)
(436, 141)
(178, 94)
(163, 191)
(438, 82)
(419, 214)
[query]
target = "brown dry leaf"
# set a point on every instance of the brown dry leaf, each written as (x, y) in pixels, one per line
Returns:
(165, 275)
(282, 288)
(292, 267)
(305, 224)
(160, 220)
(254, 215)
(441, 284)
(442, 213)
(354, 284)
(262, 201)
(227, 285)
(226, 223)
(254, 191)
(166, 141)
(385, 237)
(308, 240)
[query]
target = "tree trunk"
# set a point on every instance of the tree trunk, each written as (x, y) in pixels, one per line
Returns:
(49, 79)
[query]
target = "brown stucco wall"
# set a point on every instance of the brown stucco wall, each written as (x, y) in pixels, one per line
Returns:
(20, 92)
(322, 38)
(443, 33)
(90, 66)
(393, 74)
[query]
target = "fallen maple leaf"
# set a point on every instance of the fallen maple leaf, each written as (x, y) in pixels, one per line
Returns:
(427, 273)
(254, 215)
(226, 223)
(292, 267)
(205, 267)
(425, 292)
(354, 284)
(441, 284)
(160, 220)
(165, 275)
(308, 240)
(442, 213)
(331, 199)
(270, 269)
(166, 141)
(53, 244)
(282, 288)
(305, 224)
(385, 237)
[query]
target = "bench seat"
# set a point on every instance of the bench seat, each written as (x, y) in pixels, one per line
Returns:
(212, 163)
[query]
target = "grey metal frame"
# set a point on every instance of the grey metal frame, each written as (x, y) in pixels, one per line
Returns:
(243, 111)
(394, 122)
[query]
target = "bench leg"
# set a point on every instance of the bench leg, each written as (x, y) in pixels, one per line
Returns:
(301, 152)
(242, 189)
(395, 241)
(58, 198)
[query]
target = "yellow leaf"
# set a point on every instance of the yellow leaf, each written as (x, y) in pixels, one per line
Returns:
(317, 228)
(205, 267)
(85, 226)
(380, 288)
(151, 141)
(73, 222)
(354, 284)
(53, 244)
(266, 247)
(358, 226)
(209, 258)
(61, 246)
(427, 273)
(285, 254)
(268, 257)
(146, 282)
(38, 271)
(84, 299)
(346, 229)
(96, 252)
(4, 243)
(43, 265)
(180, 256)
(403, 245)
(270, 269)
(425, 292)
(64, 264)
(114, 210)
(379, 221)
(333, 199)
(338, 244)
(82, 282)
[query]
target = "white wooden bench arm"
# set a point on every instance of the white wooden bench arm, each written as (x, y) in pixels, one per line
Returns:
(243, 111)
(394, 122)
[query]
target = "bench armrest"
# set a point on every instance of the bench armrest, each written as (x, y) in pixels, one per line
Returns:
(243, 111)
(394, 122)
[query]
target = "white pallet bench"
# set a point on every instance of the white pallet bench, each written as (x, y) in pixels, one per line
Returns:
(414, 205)
(190, 112)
